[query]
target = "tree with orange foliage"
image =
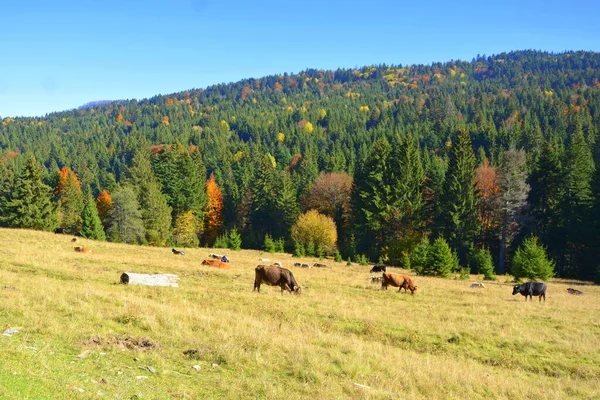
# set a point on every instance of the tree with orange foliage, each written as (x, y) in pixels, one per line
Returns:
(214, 215)
(103, 204)
(486, 182)
(70, 200)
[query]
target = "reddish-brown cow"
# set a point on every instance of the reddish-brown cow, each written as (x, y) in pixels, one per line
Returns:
(216, 263)
(399, 281)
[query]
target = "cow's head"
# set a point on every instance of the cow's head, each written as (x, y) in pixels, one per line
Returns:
(297, 290)
(516, 289)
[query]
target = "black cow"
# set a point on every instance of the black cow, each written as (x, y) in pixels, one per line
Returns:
(378, 268)
(178, 252)
(531, 289)
(276, 276)
(574, 291)
(59, 230)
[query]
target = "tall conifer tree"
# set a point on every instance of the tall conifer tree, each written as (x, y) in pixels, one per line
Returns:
(459, 223)
(30, 203)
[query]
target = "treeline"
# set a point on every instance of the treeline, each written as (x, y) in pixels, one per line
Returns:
(482, 154)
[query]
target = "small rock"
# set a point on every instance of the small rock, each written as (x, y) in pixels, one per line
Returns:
(215, 365)
(151, 369)
(196, 367)
(141, 377)
(119, 372)
(10, 331)
(101, 354)
(80, 390)
(83, 354)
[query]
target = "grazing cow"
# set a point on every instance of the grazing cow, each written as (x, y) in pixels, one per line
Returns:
(216, 263)
(59, 230)
(82, 249)
(319, 265)
(477, 285)
(399, 281)
(574, 291)
(178, 252)
(74, 240)
(297, 264)
(305, 265)
(378, 268)
(276, 276)
(531, 289)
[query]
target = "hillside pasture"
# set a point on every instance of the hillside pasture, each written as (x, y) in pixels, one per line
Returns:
(83, 335)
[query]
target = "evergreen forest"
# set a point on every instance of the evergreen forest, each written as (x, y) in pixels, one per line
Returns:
(480, 156)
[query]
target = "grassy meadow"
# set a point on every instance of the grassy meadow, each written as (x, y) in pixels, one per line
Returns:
(84, 336)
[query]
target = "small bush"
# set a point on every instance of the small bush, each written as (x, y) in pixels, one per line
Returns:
(222, 242)
(310, 248)
(419, 257)
(363, 260)
(349, 262)
(480, 262)
(235, 240)
(530, 261)
(337, 256)
(269, 244)
(280, 245)
(299, 249)
(441, 259)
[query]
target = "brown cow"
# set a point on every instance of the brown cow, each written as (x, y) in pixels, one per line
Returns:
(216, 263)
(82, 249)
(399, 281)
(276, 276)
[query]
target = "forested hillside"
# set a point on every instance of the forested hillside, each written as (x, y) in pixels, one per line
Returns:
(481, 154)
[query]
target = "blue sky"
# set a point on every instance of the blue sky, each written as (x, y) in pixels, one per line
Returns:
(58, 55)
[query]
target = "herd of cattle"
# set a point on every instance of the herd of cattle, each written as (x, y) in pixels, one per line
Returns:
(275, 275)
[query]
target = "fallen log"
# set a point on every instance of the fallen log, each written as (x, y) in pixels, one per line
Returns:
(150, 279)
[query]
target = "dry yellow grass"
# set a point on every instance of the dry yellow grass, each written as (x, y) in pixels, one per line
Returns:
(447, 341)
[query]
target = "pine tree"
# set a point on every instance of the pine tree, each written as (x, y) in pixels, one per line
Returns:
(235, 240)
(30, 203)
(459, 222)
(91, 225)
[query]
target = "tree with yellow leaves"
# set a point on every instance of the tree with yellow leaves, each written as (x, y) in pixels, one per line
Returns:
(318, 230)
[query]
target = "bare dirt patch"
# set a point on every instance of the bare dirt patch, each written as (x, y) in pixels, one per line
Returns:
(127, 342)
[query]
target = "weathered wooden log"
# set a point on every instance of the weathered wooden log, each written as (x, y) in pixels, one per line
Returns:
(150, 279)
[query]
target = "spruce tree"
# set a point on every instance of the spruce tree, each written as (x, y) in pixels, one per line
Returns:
(91, 225)
(576, 203)
(370, 199)
(30, 203)
(459, 221)
(70, 200)
(6, 185)
(125, 218)
(545, 198)
(156, 213)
